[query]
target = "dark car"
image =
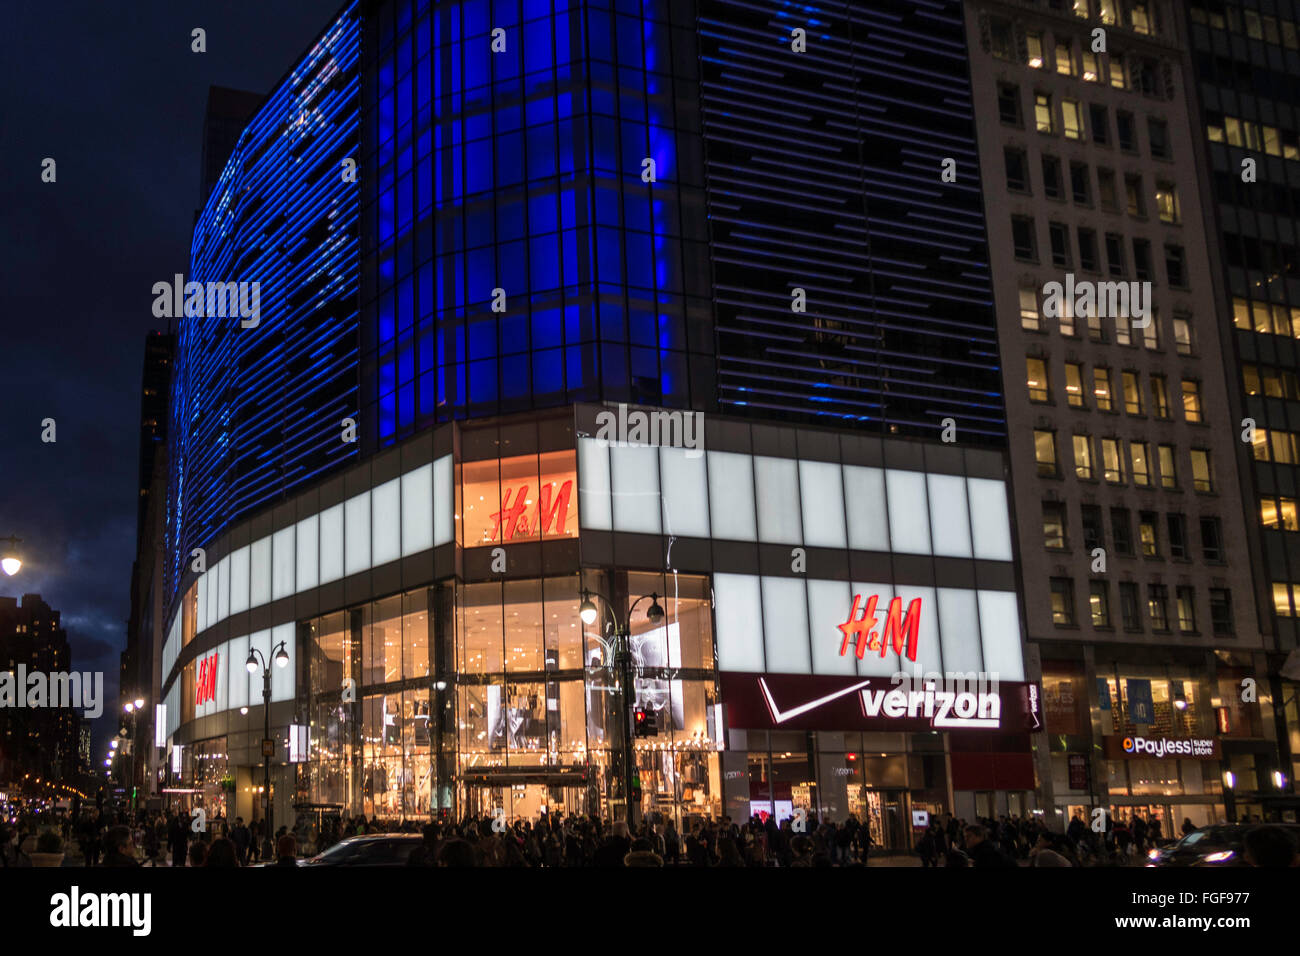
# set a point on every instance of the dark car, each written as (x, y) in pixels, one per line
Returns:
(376, 849)
(1218, 845)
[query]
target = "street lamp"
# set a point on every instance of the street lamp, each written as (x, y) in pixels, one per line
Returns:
(281, 660)
(588, 611)
(10, 560)
(133, 707)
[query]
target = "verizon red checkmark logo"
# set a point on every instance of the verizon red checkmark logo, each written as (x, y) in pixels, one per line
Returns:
(781, 716)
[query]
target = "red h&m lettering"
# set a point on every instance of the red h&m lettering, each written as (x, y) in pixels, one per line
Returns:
(900, 629)
(557, 512)
(206, 685)
(511, 520)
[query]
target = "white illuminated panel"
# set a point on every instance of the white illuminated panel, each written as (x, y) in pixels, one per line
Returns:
(444, 501)
(239, 580)
(282, 555)
(1000, 631)
(864, 495)
(731, 496)
(417, 510)
(299, 743)
(259, 583)
(237, 671)
(282, 678)
(356, 534)
(201, 602)
(634, 479)
(959, 629)
(160, 725)
(594, 506)
(685, 492)
(386, 523)
(223, 588)
(776, 493)
(828, 608)
(989, 519)
(909, 515)
(740, 624)
(307, 567)
(785, 626)
(331, 544)
(949, 520)
(822, 499)
(929, 646)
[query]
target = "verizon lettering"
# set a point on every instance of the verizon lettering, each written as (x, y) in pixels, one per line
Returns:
(899, 628)
(950, 702)
(550, 512)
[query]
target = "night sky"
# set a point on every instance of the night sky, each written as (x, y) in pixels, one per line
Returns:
(113, 93)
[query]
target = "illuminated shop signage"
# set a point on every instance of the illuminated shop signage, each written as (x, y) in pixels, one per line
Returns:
(523, 517)
(900, 629)
(943, 702)
(205, 685)
(1162, 748)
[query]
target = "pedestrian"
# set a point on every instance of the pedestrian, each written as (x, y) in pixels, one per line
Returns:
(221, 854)
(178, 838)
(118, 848)
(286, 853)
(1187, 826)
(240, 836)
(983, 852)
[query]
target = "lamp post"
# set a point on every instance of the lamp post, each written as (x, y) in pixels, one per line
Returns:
(133, 707)
(10, 559)
(281, 660)
(623, 659)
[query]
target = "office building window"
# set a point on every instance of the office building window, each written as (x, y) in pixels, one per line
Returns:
(1022, 238)
(1083, 457)
(1064, 57)
(1183, 336)
(1221, 611)
(1099, 117)
(1054, 533)
(1112, 460)
(1045, 453)
(1121, 530)
(1191, 400)
(1101, 388)
(1132, 393)
(1282, 599)
(1167, 203)
(1106, 11)
(1017, 173)
(1175, 266)
(1168, 471)
(1202, 479)
(1151, 332)
(1158, 138)
(1211, 539)
(1176, 526)
(1091, 69)
(1094, 535)
(1126, 130)
(1052, 188)
(1088, 251)
(1030, 318)
(1009, 105)
(1135, 203)
(1142, 260)
(1147, 534)
(1139, 17)
(1034, 48)
(1186, 599)
(1158, 606)
(1115, 254)
(1059, 234)
(1138, 453)
(1001, 38)
(1099, 600)
(1123, 330)
(1036, 379)
(1080, 184)
(1074, 385)
(1159, 397)
(1063, 602)
(1106, 190)
(1116, 69)
(1129, 609)
(1043, 120)
(1072, 119)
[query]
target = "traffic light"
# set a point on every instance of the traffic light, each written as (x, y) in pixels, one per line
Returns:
(646, 723)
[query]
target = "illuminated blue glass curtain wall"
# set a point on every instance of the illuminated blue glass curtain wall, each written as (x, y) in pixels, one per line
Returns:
(824, 174)
(257, 411)
(521, 170)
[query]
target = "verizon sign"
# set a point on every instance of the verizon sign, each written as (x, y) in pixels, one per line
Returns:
(947, 702)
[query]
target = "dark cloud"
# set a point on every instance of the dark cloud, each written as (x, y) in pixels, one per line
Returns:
(113, 93)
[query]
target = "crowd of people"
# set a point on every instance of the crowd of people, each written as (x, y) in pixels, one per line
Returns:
(157, 838)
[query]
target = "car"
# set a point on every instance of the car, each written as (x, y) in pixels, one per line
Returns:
(373, 849)
(1221, 844)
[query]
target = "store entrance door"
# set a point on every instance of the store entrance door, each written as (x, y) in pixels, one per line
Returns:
(886, 816)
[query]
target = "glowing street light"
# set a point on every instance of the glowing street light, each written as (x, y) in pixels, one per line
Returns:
(10, 561)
